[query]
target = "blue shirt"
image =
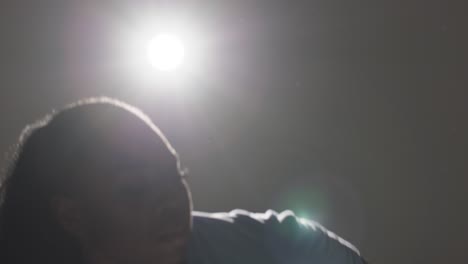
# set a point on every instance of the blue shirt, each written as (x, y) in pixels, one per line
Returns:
(241, 237)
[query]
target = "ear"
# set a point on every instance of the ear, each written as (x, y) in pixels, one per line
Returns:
(69, 215)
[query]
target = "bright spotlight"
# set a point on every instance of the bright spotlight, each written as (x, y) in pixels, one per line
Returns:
(165, 52)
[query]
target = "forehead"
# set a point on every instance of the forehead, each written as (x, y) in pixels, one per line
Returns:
(129, 149)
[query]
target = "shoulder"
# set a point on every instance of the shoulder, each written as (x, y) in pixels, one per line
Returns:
(281, 233)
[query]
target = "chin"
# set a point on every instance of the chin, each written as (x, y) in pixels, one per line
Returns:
(161, 259)
(174, 260)
(173, 252)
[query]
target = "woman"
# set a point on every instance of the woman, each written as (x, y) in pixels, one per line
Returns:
(98, 183)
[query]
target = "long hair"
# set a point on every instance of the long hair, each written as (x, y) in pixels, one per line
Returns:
(41, 168)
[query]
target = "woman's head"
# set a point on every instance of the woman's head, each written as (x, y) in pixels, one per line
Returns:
(94, 182)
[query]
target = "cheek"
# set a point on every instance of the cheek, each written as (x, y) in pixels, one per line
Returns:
(117, 227)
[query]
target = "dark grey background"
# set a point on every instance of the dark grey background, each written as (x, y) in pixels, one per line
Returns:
(349, 112)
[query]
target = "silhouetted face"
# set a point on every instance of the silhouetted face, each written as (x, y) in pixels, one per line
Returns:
(131, 205)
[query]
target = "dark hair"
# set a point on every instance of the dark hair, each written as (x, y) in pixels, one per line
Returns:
(41, 167)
